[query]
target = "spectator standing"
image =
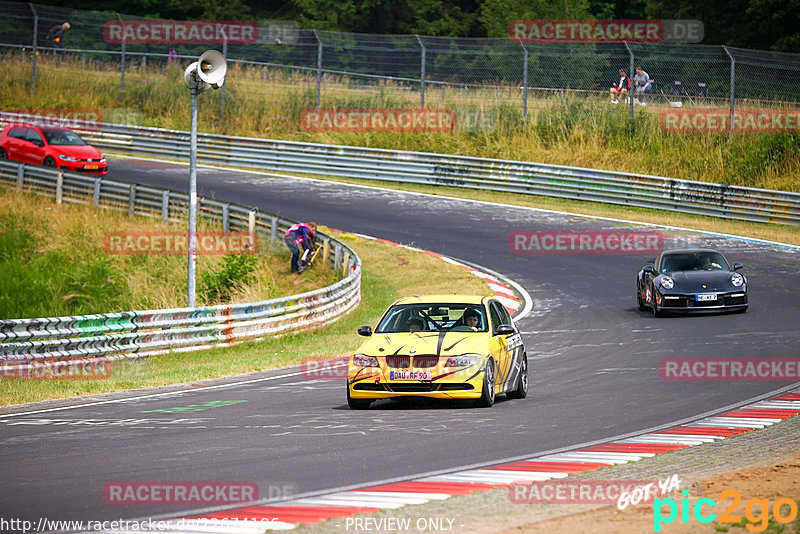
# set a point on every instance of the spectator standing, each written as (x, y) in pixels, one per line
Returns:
(55, 36)
(297, 236)
(621, 87)
(643, 84)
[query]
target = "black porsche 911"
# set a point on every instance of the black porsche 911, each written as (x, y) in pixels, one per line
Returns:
(691, 280)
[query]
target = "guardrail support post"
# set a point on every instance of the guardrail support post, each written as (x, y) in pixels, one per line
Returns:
(96, 191)
(326, 253)
(59, 186)
(337, 257)
(20, 177)
(131, 200)
(144, 63)
(346, 264)
(226, 208)
(35, 48)
(421, 74)
(165, 206)
(273, 229)
(251, 221)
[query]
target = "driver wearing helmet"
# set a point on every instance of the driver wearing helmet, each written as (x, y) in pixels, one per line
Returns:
(471, 319)
(414, 324)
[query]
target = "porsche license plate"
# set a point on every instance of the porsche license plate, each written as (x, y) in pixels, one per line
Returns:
(91, 167)
(705, 297)
(410, 375)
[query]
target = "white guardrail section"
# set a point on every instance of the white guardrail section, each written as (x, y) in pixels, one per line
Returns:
(28, 344)
(628, 189)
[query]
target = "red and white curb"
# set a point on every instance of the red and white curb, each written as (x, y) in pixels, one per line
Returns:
(501, 289)
(287, 515)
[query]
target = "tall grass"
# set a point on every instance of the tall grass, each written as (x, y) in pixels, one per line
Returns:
(53, 263)
(576, 129)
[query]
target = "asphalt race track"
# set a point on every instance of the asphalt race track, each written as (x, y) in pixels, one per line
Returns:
(594, 366)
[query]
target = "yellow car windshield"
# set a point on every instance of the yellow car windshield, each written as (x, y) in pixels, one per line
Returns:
(433, 318)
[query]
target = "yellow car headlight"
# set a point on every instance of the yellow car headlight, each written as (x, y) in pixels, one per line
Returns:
(463, 360)
(362, 360)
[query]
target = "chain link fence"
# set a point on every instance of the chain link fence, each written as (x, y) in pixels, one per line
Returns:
(423, 69)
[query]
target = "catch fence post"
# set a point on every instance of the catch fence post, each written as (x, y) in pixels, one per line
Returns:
(630, 80)
(35, 47)
(421, 74)
(319, 68)
(733, 84)
(524, 82)
(122, 62)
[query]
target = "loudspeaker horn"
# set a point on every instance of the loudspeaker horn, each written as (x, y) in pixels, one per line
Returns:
(211, 68)
(191, 80)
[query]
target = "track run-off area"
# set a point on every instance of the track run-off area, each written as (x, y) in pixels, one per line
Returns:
(593, 357)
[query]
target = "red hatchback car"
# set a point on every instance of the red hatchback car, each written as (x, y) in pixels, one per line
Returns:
(52, 146)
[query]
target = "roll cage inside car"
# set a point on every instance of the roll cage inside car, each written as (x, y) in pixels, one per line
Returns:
(434, 317)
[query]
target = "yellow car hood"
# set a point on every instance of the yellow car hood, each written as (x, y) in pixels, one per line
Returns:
(437, 343)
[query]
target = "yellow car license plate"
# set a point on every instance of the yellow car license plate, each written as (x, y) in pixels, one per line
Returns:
(410, 375)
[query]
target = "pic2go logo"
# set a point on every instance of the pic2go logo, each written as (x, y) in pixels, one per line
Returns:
(759, 519)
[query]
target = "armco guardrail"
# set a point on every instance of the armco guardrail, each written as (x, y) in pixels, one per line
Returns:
(628, 189)
(28, 344)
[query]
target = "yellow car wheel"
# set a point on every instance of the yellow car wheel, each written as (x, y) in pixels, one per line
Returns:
(521, 391)
(487, 393)
(357, 404)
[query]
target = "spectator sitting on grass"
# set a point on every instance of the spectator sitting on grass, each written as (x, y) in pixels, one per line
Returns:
(622, 87)
(643, 84)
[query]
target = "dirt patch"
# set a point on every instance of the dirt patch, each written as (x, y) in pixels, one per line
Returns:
(754, 487)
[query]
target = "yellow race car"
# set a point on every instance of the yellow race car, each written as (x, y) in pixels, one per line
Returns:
(439, 346)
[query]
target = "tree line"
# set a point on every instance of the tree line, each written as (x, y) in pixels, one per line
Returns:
(759, 24)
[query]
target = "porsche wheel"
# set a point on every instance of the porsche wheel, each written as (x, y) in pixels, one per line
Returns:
(3, 154)
(656, 311)
(357, 404)
(521, 391)
(487, 392)
(49, 162)
(639, 300)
